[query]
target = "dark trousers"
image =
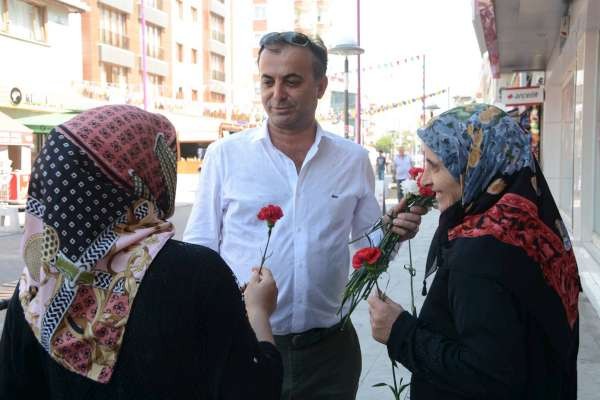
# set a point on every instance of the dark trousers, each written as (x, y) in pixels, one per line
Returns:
(327, 369)
(399, 185)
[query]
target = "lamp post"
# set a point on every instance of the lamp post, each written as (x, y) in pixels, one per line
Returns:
(431, 108)
(346, 49)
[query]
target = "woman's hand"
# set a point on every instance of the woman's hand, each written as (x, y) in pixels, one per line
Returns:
(383, 314)
(260, 293)
(404, 224)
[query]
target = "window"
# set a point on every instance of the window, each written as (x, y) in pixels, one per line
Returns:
(114, 75)
(194, 56)
(217, 67)
(153, 41)
(156, 83)
(23, 19)
(260, 12)
(180, 8)
(179, 52)
(194, 13)
(3, 16)
(179, 94)
(217, 97)
(154, 4)
(113, 27)
(194, 95)
(217, 27)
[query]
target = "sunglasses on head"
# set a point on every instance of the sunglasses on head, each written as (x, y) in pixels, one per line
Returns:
(293, 38)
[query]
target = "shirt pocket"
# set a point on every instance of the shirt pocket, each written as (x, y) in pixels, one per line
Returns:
(342, 201)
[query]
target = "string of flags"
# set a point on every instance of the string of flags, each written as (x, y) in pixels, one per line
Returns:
(375, 109)
(339, 76)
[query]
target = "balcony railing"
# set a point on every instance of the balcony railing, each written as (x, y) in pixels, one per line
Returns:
(218, 36)
(218, 75)
(155, 52)
(158, 4)
(114, 39)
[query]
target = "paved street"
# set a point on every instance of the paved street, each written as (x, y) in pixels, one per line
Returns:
(376, 365)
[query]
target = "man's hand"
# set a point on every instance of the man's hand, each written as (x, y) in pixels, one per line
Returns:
(404, 224)
(383, 314)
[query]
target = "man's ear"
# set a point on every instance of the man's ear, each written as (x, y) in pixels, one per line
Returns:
(322, 86)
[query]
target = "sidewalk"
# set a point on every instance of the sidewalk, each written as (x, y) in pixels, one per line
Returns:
(376, 365)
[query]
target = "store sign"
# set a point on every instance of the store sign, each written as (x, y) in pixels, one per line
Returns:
(521, 96)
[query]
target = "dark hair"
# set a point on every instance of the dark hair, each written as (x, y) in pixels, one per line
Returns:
(315, 45)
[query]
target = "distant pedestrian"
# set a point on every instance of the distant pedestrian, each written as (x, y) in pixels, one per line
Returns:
(380, 164)
(402, 164)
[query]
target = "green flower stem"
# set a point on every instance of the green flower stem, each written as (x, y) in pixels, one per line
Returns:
(264, 256)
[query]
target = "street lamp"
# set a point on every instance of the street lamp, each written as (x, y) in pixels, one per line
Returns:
(346, 49)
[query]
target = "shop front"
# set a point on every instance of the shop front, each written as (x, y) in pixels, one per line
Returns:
(16, 142)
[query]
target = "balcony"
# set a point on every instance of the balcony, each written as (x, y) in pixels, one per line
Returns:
(217, 75)
(155, 52)
(154, 14)
(217, 47)
(116, 55)
(114, 39)
(155, 64)
(218, 36)
(218, 7)
(125, 6)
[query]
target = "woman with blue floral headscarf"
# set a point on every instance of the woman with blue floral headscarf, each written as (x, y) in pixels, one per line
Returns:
(501, 317)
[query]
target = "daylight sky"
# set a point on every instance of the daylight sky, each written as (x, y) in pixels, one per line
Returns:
(395, 29)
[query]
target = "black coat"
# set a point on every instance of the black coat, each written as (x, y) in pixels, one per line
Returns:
(480, 333)
(187, 338)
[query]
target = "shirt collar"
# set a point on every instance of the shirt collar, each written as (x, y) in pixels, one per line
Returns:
(262, 133)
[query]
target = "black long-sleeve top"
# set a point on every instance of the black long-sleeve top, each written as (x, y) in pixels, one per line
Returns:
(479, 334)
(187, 338)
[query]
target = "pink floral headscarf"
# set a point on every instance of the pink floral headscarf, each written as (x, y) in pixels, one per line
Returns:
(100, 192)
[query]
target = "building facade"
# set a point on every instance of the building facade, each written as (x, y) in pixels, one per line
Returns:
(565, 47)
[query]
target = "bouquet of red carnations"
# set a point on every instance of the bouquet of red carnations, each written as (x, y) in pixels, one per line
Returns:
(370, 262)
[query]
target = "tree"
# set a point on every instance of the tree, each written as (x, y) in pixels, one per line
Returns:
(385, 143)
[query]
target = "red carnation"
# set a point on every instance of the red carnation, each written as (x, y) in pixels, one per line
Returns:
(426, 191)
(414, 172)
(369, 255)
(271, 214)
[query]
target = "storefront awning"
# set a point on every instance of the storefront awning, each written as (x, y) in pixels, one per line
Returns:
(44, 123)
(194, 128)
(519, 35)
(14, 133)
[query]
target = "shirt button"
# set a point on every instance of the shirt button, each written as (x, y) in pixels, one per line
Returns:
(298, 229)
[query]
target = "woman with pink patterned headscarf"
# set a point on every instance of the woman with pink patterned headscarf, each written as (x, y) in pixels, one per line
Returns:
(109, 305)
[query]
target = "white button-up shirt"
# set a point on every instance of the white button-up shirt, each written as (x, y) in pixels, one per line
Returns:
(329, 199)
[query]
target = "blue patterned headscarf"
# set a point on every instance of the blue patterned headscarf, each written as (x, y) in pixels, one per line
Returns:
(478, 142)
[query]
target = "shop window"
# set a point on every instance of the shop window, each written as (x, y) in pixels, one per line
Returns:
(565, 198)
(194, 56)
(194, 95)
(194, 12)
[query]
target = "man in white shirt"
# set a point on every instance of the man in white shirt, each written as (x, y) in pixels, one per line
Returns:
(402, 164)
(324, 185)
